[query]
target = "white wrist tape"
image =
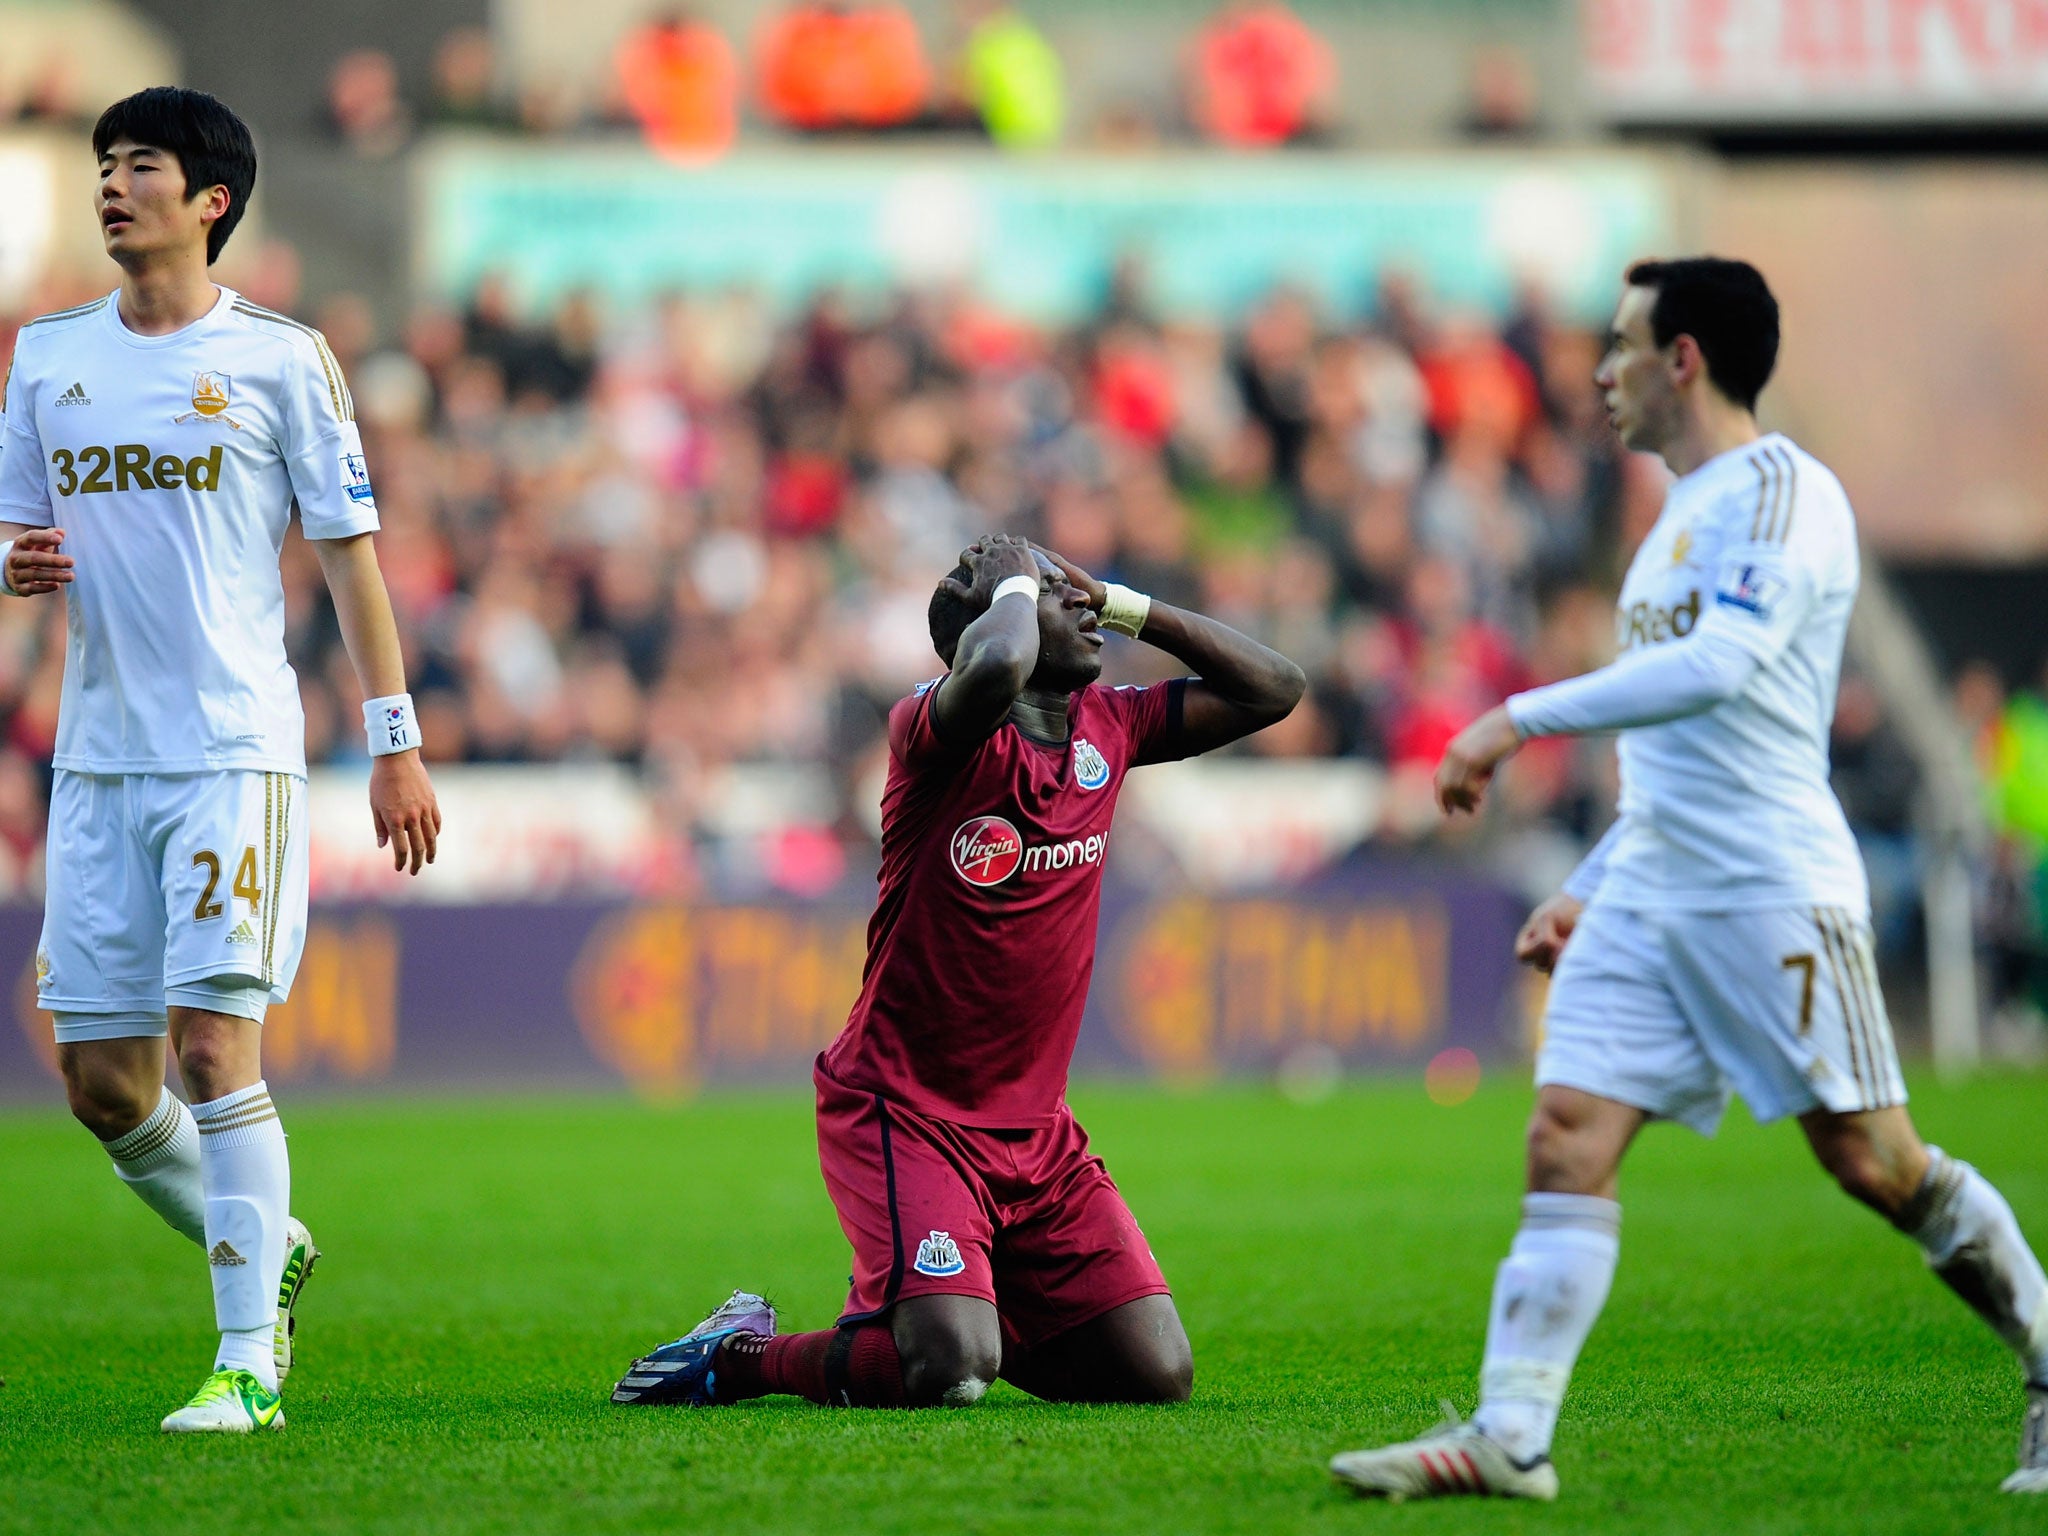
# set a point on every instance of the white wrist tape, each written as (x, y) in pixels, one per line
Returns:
(1125, 610)
(6, 584)
(390, 724)
(1020, 586)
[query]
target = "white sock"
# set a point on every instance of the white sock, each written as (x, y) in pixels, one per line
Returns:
(1972, 1241)
(251, 1350)
(159, 1160)
(248, 1202)
(1546, 1296)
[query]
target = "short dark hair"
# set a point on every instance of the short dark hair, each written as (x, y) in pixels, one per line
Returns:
(212, 146)
(1725, 306)
(950, 613)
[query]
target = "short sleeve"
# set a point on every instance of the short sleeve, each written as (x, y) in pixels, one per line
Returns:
(914, 739)
(324, 450)
(24, 483)
(1152, 720)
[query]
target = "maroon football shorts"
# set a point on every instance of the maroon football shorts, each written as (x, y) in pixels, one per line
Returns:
(1027, 1219)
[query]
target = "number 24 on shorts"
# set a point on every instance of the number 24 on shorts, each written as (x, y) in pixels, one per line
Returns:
(245, 885)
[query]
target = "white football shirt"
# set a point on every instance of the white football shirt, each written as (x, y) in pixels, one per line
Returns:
(1730, 808)
(172, 464)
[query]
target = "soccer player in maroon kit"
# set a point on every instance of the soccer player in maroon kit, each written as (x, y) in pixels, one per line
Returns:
(987, 1239)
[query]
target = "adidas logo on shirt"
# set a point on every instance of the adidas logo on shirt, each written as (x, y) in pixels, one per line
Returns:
(224, 1255)
(75, 395)
(243, 934)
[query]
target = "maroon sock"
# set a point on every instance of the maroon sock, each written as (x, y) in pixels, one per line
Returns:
(840, 1367)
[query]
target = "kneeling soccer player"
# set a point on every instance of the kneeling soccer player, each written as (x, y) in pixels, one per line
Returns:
(1718, 937)
(988, 1241)
(170, 427)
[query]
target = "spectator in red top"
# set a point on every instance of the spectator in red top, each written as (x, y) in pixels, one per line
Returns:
(826, 64)
(1134, 386)
(1259, 76)
(1476, 381)
(679, 77)
(1454, 661)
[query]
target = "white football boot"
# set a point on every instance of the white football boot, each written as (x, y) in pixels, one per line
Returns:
(2032, 1476)
(229, 1402)
(1454, 1458)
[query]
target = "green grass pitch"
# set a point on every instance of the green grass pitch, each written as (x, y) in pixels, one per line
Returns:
(1773, 1359)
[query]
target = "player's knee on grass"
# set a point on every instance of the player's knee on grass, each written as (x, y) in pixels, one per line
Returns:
(951, 1348)
(1156, 1364)
(1138, 1353)
(1165, 1374)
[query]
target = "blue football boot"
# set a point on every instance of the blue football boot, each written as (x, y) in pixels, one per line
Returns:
(680, 1373)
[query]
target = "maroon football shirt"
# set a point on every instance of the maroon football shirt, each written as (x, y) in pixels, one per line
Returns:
(983, 938)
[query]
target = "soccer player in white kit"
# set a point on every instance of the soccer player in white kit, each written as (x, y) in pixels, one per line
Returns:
(1718, 937)
(153, 445)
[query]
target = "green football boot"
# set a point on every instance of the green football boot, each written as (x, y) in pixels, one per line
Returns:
(228, 1403)
(299, 1258)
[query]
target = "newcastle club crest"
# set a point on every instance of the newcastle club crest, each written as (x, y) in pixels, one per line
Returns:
(939, 1255)
(1091, 768)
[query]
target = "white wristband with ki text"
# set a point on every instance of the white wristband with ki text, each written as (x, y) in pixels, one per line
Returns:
(390, 724)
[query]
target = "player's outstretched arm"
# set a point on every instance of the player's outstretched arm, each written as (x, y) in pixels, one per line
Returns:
(402, 805)
(1644, 687)
(1239, 687)
(998, 652)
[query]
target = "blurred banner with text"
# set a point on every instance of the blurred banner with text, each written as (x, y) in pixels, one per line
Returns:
(1381, 968)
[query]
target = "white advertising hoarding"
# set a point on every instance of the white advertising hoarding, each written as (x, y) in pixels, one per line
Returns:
(548, 833)
(1816, 61)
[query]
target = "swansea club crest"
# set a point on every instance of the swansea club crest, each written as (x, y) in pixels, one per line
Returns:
(210, 394)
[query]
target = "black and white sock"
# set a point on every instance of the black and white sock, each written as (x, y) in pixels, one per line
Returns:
(1972, 1241)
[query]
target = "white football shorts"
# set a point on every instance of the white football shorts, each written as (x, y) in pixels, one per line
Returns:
(170, 887)
(1674, 1011)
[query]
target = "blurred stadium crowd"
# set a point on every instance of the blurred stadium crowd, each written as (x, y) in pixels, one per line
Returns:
(701, 535)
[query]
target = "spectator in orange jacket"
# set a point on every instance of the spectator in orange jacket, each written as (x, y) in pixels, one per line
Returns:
(678, 76)
(825, 64)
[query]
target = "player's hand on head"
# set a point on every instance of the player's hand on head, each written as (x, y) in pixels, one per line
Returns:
(35, 564)
(1545, 934)
(994, 558)
(1098, 592)
(404, 811)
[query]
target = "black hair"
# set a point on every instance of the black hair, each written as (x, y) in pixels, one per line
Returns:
(1726, 307)
(212, 146)
(950, 613)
